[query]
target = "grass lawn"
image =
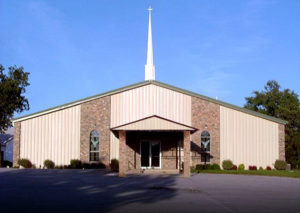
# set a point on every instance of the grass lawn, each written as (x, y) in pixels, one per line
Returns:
(279, 173)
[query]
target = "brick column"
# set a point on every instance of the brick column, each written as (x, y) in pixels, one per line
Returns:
(281, 142)
(16, 148)
(187, 153)
(122, 154)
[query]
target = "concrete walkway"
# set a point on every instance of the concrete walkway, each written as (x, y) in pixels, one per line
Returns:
(24, 190)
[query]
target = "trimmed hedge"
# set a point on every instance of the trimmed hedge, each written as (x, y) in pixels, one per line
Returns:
(114, 165)
(215, 167)
(227, 164)
(49, 164)
(75, 164)
(280, 165)
(94, 165)
(25, 163)
(208, 167)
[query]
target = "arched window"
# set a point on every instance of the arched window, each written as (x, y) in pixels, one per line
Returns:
(205, 146)
(94, 145)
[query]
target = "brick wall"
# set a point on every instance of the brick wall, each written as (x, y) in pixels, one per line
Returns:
(95, 114)
(16, 148)
(281, 141)
(123, 152)
(187, 153)
(205, 113)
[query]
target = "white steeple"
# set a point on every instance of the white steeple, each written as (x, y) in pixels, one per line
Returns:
(149, 67)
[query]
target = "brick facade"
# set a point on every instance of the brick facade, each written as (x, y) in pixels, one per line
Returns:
(281, 141)
(187, 153)
(205, 116)
(95, 114)
(16, 146)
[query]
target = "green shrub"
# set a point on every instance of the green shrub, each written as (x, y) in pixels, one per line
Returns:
(94, 166)
(261, 169)
(114, 165)
(86, 165)
(24, 163)
(49, 164)
(215, 167)
(208, 167)
(227, 164)
(98, 165)
(241, 167)
(280, 165)
(75, 164)
(199, 167)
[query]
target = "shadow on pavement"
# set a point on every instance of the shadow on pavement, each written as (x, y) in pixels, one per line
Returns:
(28, 190)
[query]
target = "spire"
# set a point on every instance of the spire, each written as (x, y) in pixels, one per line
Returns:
(149, 67)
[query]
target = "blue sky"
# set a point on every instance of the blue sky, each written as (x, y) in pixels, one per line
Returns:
(75, 49)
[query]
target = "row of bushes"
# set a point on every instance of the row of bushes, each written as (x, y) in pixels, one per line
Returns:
(74, 164)
(114, 165)
(228, 165)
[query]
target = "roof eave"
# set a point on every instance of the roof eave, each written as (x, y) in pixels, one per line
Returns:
(80, 101)
(144, 83)
(251, 112)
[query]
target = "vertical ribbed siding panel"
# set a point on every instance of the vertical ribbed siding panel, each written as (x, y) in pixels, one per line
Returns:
(54, 136)
(114, 147)
(150, 100)
(247, 139)
(146, 101)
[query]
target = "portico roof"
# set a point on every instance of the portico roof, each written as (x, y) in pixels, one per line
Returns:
(154, 123)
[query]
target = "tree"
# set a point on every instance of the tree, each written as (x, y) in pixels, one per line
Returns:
(12, 88)
(283, 104)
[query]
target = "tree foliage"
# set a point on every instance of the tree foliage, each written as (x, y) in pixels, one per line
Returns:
(283, 104)
(12, 88)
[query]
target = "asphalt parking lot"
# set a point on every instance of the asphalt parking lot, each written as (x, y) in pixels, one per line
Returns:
(26, 190)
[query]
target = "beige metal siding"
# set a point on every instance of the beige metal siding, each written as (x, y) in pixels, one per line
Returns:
(150, 100)
(114, 146)
(152, 124)
(247, 139)
(54, 136)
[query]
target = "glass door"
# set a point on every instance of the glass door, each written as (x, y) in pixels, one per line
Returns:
(145, 154)
(155, 154)
(150, 154)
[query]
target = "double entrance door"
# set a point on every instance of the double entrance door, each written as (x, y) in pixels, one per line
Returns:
(150, 154)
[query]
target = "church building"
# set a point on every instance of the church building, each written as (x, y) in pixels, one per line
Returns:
(149, 125)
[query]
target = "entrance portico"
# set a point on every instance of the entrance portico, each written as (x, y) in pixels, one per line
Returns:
(154, 143)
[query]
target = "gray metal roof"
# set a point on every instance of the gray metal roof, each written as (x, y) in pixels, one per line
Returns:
(143, 83)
